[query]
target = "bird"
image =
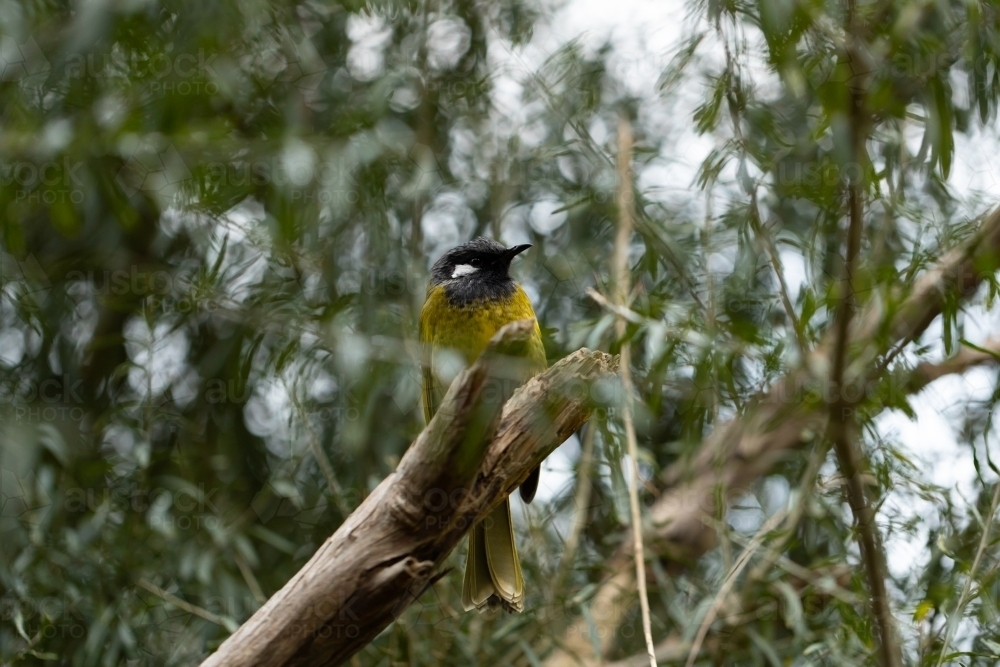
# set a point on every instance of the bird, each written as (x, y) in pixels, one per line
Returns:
(471, 296)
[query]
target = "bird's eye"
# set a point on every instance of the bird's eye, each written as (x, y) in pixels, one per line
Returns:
(476, 262)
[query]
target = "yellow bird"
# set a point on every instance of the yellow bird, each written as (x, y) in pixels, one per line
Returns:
(470, 297)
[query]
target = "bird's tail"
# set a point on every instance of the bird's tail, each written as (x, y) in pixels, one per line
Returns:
(492, 571)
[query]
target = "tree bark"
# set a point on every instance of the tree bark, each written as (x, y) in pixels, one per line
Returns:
(474, 452)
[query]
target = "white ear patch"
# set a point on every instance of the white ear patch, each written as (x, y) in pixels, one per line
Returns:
(463, 270)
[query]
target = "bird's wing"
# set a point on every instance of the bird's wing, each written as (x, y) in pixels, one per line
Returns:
(431, 392)
(536, 349)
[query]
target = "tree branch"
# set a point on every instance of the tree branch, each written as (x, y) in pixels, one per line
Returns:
(386, 553)
(622, 280)
(850, 457)
(966, 358)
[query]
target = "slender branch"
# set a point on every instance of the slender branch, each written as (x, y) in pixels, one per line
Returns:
(621, 277)
(727, 585)
(186, 606)
(322, 460)
(850, 456)
(248, 576)
(581, 504)
(772, 252)
(964, 597)
(472, 454)
(966, 358)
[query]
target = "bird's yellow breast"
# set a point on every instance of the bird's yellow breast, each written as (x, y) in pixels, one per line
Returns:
(467, 329)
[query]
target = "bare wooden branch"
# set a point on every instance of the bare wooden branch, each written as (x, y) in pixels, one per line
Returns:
(771, 251)
(622, 281)
(789, 416)
(843, 423)
(963, 360)
(386, 553)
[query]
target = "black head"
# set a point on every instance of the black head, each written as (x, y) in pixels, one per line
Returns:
(477, 269)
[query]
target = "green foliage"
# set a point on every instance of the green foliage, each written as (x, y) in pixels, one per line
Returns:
(217, 221)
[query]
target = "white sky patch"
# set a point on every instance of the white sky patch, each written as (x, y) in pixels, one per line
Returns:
(447, 41)
(514, 227)
(298, 161)
(369, 36)
(12, 347)
(447, 223)
(158, 356)
(794, 267)
(266, 413)
(247, 249)
(546, 216)
(556, 479)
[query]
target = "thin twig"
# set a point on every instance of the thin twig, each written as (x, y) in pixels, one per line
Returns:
(581, 503)
(727, 585)
(779, 271)
(773, 555)
(248, 576)
(969, 356)
(186, 606)
(621, 276)
(963, 599)
(806, 487)
(622, 311)
(755, 220)
(322, 460)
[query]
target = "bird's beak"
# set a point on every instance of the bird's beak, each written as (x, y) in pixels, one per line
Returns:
(512, 252)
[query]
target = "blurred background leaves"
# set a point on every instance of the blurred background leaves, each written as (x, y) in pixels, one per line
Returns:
(217, 221)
